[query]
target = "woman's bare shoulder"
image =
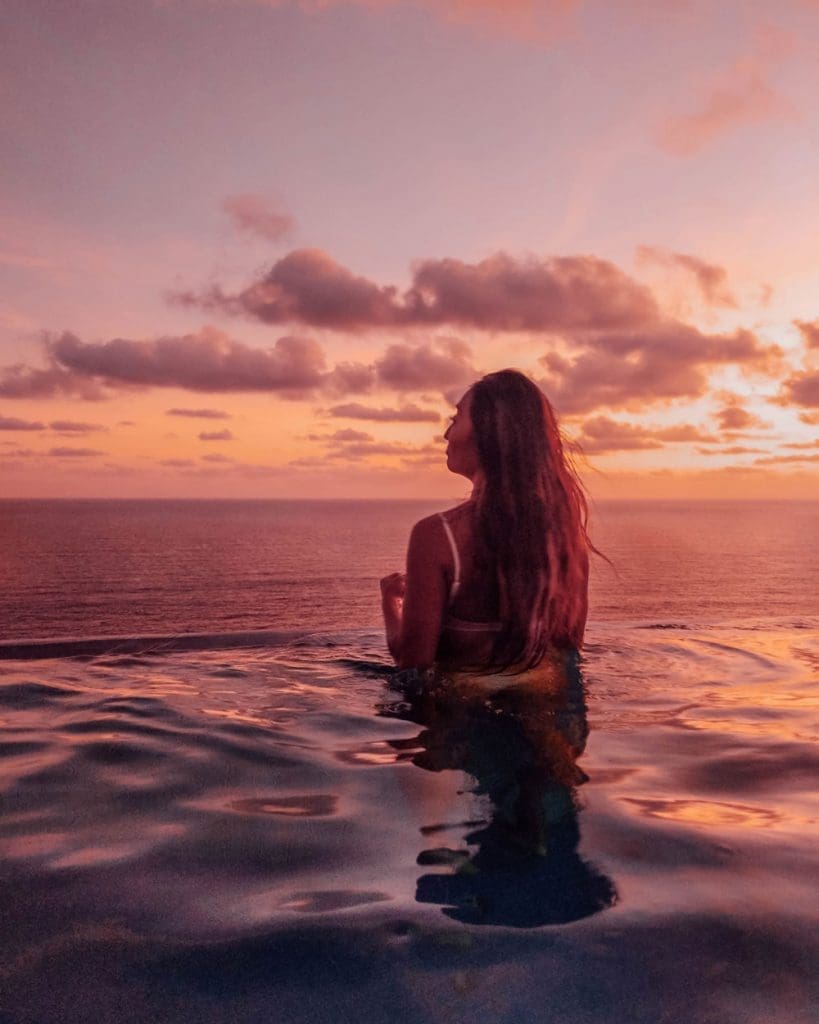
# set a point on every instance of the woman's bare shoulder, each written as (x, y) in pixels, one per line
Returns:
(458, 513)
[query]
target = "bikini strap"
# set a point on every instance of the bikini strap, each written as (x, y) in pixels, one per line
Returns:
(456, 558)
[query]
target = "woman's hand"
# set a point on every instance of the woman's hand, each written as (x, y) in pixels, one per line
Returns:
(393, 587)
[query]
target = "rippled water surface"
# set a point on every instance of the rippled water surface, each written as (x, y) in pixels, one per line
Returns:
(258, 823)
(279, 834)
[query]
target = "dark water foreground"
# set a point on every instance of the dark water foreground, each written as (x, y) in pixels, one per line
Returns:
(274, 834)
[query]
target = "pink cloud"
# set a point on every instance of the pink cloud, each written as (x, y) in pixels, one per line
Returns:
(13, 423)
(203, 414)
(74, 453)
(743, 94)
(217, 457)
(253, 215)
(440, 364)
(602, 434)
(342, 435)
(216, 435)
(21, 381)
(500, 293)
(635, 369)
(350, 379)
(75, 427)
(207, 361)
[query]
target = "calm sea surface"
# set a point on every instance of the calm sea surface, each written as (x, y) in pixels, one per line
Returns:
(109, 568)
(247, 826)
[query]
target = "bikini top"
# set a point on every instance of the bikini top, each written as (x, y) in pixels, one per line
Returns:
(451, 622)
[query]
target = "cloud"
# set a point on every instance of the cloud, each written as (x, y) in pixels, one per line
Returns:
(253, 215)
(342, 435)
(801, 389)
(218, 458)
(440, 364)
(216, 435)
(501, 293)
(207, 361)
(402, 414)
(21, 381)
(74, 453)
(602, 434)
(635, 369)
(365, 449)
(743, 94)
(712, 280)
(811, 418)
(13, 423)
(809, 331)
(350, 379)
(75, 427)
(774, 460)
(177, 463)
(736, 449)
(202, 414)
(734, 416)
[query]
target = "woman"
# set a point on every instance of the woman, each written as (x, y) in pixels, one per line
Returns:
(498, 584)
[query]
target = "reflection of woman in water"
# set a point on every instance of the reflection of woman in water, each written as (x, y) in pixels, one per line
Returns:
(498, 584)
(518, 864)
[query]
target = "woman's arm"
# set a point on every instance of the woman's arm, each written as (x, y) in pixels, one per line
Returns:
(414, 604)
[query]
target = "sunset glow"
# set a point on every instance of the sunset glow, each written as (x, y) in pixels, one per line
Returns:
(258, 249)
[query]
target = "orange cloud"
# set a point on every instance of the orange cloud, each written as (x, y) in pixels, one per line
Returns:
(809, 331)
(801, 389)
(734, 416)
(712, 280)
(402, 414)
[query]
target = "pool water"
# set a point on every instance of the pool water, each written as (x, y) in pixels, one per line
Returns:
(278, 832)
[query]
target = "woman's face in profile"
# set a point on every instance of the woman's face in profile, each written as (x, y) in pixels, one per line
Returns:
(461, 452)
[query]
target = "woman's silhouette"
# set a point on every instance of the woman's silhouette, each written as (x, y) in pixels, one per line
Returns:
(499, 584)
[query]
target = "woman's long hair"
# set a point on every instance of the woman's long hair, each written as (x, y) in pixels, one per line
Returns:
(531, 520)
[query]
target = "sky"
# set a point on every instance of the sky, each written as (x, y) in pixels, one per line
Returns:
(252, 248)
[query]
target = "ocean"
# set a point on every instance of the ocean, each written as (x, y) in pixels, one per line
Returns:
(218, 804)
